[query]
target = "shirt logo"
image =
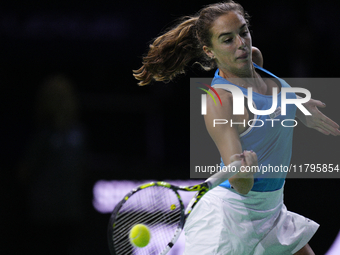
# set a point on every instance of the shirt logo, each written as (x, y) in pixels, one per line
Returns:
(276, 113)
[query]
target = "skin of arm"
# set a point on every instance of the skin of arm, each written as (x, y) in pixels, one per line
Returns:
(226, 138)
(318, 120)
(257, 57)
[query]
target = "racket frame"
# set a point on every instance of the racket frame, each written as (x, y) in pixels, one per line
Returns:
(202, 188)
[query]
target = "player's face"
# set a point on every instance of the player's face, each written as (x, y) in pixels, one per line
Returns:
(231, 43)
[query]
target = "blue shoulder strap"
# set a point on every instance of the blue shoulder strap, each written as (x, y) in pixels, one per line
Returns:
(220, 80)
(264, 70)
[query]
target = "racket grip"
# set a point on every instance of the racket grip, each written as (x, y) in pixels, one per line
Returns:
(225, 173)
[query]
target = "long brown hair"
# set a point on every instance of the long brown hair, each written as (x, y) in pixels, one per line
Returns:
(170, 53)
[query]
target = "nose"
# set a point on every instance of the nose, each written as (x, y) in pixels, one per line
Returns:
(241, 42)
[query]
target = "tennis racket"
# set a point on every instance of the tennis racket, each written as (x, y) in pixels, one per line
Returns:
(158, 206)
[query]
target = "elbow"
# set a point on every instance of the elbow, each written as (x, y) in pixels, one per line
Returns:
(243, 191)
(242, 185)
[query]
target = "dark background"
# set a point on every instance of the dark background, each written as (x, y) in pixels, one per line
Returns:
(143, 132)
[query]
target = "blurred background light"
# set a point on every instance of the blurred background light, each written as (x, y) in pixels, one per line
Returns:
(107, 194)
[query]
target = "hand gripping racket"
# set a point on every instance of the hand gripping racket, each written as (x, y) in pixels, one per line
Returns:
(158, 206)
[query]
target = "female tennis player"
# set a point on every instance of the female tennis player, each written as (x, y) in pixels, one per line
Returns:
(246, 214)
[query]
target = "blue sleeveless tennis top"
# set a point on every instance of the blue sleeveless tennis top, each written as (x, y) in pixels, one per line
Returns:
(272, 142)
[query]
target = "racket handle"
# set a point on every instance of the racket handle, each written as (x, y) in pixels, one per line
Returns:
(225, 173)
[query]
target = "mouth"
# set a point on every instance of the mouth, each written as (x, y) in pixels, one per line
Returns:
(243, 56)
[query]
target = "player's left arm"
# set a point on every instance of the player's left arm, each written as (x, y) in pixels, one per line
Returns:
(317, 120)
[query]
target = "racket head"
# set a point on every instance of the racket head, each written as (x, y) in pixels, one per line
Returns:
(156, 205)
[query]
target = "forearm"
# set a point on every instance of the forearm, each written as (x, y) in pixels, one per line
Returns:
(228, 142)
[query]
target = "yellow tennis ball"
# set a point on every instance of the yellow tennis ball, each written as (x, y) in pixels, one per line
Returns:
(139, 235)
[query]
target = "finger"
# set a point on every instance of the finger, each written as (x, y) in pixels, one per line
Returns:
(327, 120)
(329, 128)
(326, 123)
(249, 157)
(236, 157)
(330, 122)
(251, 152)
(322, 131)
(243, 162)
(254, 154)
(318, 103)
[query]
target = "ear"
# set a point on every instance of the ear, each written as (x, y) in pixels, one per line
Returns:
(209, 52)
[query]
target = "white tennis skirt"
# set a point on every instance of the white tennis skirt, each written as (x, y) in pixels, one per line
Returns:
(226, 223)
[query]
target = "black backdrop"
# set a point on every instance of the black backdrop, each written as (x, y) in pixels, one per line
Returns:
(138, 132)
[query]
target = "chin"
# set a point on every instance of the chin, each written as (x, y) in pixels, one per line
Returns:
(245, 64)
(245, 68)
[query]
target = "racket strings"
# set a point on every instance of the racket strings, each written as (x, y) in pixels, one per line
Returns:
(153, 224)
(168, 221)
(146, 216)
(167, 218)
(158, 208)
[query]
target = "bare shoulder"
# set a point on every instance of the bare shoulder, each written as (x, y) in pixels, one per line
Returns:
(224, 112)
(218, 110)
(257, 57)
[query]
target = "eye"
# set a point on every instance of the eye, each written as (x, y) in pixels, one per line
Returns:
(245, 33)
(228, 40)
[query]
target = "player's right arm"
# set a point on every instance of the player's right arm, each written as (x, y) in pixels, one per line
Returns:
(226, 138)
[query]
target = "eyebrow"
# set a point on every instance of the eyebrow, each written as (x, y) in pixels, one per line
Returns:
(228, 33)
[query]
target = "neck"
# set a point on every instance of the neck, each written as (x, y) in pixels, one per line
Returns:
(244, 78)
